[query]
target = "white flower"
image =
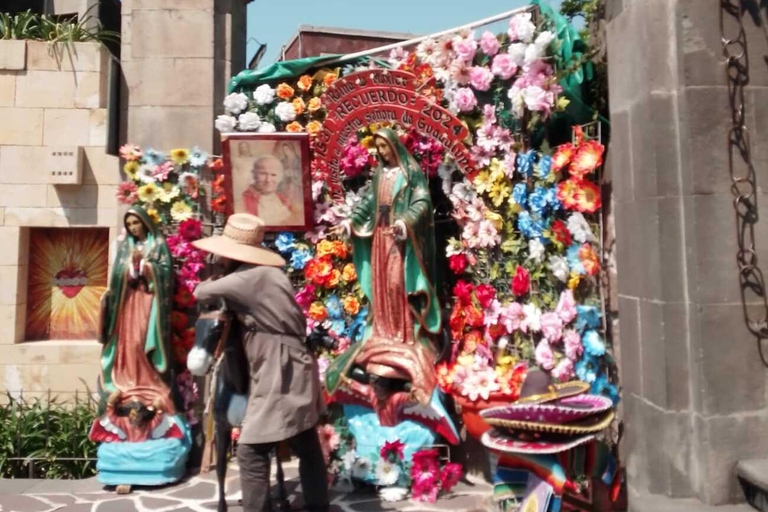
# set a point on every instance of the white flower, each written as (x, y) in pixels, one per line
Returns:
(532, 320)
(225, 123)
(146, 173)
(517, 51)
(392, 494)
(503, 342)
(285, 111)
(579, 228)
(235, 103)
(544, 39)
(521, 28)
(518, 103)
(361, 468)
(387, 473)
(264, 94)
(537, 98)
(397, 57)
(426, 50)
(533, 53)
(267, 128)
(249, 121)
(559, 266)
(464, 191)
(317, 189)
(536, 251)
(349, 459)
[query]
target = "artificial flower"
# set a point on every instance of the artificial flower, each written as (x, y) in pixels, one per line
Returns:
(551, 327)
(393, 494)
(249, 121)
(489, 43)
(504, 66)
(225, 123)
(427, 49)
(154, 215)
(532, 322)
(329, 440)
(450, 476)
(329, 78)
(561, 232)
(317, 311)
(593, 343)
(361, 468)
(521, 28)
(572, 343)
(480, 78)
(580, 228)
(264, 94)
(480, 384)
(131, 168)
(305, 296)
(285, 111)
(387, 473)
(127, 193)
(563, 156)
(393, 448)
(294, 127)
(485, 294)
(304, 83)
(589, 260)
(284, 91)
(148, 193)
(299, 106)
(463, 291)
(559, 267)
(191, 229)
(267, 128)
(162, 171)
(146, 173)
(180, 156)
(536, 251)
(465, 99)
(566, 307)
(465, 47)
(130, 152)
(564, 370)
(567, 193)
(184, 298)
(349, 274)
(314, 127)
(169, 192)
(589, 157)
(181, 211)
(351, 305)
(521, 282)
(235, 103)
(545, 358)
(587, 197)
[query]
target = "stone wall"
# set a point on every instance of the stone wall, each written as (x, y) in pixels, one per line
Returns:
(48, 104)
(694, 388)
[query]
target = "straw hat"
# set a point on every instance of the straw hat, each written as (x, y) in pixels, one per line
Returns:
(241, 241)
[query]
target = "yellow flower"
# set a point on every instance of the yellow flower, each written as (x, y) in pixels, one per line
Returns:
(304, 83)
(154, 215)
(351, 305)
(315, 104)
(130, 169)
(562, 103)
(499, 191)
(314, 127)
(498, 220)
(466, 360)
(333, 279)
(329, 78)
(149, 193)
(367, 142)
(294, 127)
(574, 281)
(180, 156)
(324, 248)
(482, 182)
(497, 171)
(169, 192)
(284, 91)
(181, 211)
(299, 106)
(317, 311)
(349, 274)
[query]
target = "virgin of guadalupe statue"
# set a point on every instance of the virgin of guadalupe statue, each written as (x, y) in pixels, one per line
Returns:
(135, 331)
(392, 233)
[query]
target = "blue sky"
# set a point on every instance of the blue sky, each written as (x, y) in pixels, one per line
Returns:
(274, 22)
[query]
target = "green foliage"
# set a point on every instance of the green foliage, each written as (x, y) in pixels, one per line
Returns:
(48, 432)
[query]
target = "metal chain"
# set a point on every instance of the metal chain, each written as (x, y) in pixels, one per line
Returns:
(741, 169)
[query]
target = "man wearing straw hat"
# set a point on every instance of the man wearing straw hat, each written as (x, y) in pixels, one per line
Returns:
(285, 399)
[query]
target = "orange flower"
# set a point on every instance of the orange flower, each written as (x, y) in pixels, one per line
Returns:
(315, 104)
(587, 197)
(333, 279)
(217, 165)
(562, 156)
(587, 159)
(349, 274)
(294, 127)
(339, 249)
(445, 374)
(299, 106)
(475, 316)
(284, 91)
(219, 204)
(329, 78)
(472, 340)
(324, 248)
(314, 127)
(351, 304)
(318, 270)
(589, 259)
(317, 311)
(304, 83)
(566, 193)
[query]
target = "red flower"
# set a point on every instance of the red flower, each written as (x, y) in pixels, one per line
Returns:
(458, 263)
(521, 283)
(179, 321)
(561, 233)
(319, 271)
(394, 448)
(587, 159)
(566, 193)
(184, 298)
(485, 294)
(463, 291)
(474, 315)
(588, 197)
(191, 229)
(562, 156)
(217, 165)
(450, 476)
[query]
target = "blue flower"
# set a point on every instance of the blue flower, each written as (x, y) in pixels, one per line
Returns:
(197, 157)
(585, 369)
(299, 258)
(552, 201)
(357, 327)
(520, 194)
(537, 201)
(525, 224)
(589, 318)
(593, 343)
(601, 386)
(334, 307)
(574, 261)
(153, 157)
(525, 163)
(338, 326)
(285, 242)
(545, 164)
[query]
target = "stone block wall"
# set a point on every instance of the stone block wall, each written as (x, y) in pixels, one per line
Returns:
(695, 393)
(49, 102)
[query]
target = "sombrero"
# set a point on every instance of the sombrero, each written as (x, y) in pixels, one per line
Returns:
(589, 425)
(501, 442)
(565, 410)
(241, 241)
(538, 388)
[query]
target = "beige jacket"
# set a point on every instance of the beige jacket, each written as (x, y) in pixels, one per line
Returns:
(285, 392)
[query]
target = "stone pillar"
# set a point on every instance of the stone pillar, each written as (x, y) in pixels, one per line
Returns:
(177, 58)
(694, 387)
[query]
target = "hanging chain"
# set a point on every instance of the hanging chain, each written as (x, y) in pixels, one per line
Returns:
(742, 171)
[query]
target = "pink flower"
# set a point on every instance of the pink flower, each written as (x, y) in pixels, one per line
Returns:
(572, 342)
(481, 156)
(564, 370)
(489, 114)
(191, 229)
(162, 171)
(395, 448)
(450, 476)
(512, 317)
(306, 296)
(544, 356)
(492, 314)
(566, 307)
(489, 43)
(329, 440)
(460, 72)
(521, 28)
(487, 234)
(551, 327)
(322, 366)
(465, 99)
(486, 137)
(480, 77)
(127, 193)
(504, 66)
(537, 99)
(465, 48)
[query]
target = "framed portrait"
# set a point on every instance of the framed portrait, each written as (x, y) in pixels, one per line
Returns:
(269, 177)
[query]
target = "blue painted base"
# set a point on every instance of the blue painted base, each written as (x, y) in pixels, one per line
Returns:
(370, 436)
(154, 462)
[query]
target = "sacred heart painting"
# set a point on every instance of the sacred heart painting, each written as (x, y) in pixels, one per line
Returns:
(67, 275)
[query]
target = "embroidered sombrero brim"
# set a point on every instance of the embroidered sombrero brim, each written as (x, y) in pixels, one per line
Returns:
(498, 441)
(590, 425)
(566, 410)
